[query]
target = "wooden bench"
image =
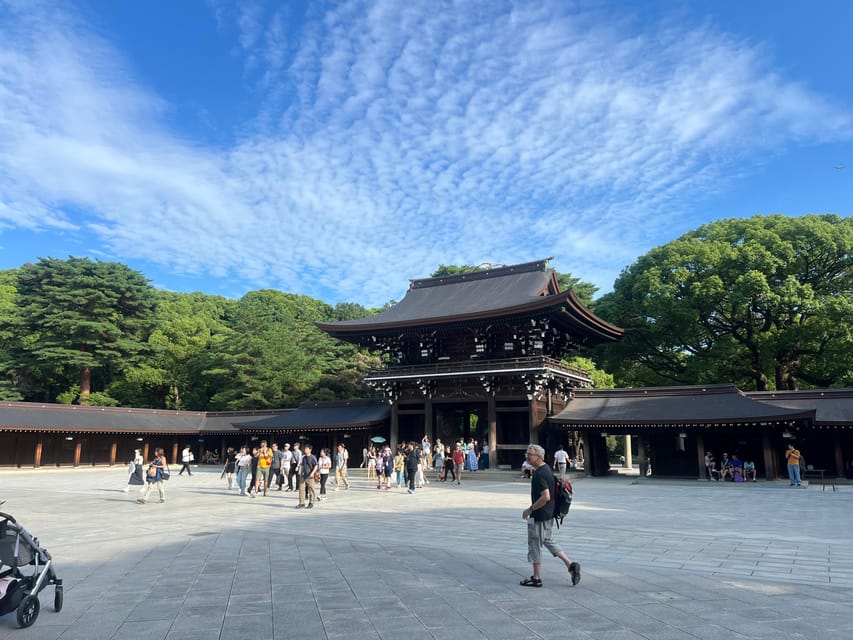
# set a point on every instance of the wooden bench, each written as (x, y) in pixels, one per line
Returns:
(811, 472)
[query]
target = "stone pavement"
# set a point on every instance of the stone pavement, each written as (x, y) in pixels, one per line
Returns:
(662, 559)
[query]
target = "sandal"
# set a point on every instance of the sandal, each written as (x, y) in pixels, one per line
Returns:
(531, 582)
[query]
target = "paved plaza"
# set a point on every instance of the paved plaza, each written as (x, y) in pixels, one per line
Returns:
(662, 559)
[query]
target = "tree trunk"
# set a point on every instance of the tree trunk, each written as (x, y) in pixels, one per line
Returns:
(85, 381)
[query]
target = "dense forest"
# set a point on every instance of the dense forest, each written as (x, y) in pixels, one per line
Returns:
(764, 303)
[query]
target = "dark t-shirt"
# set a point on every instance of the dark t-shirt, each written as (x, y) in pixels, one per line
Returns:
(543, 479)
(306, 465)
(413, 458)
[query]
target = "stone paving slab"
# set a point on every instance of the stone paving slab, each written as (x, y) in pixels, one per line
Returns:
(661, 559)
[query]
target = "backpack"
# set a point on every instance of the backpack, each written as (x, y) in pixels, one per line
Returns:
(563, 499)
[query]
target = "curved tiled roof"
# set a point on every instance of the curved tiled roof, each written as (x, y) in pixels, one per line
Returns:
(353, 414)
(832, 406)
(714, 404)
(481, 295)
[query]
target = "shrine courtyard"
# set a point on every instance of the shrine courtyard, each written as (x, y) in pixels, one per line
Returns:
(662, 559)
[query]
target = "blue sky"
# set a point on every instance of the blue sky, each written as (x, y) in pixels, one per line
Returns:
(338, 149)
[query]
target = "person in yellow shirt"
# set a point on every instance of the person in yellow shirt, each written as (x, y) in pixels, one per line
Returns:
(264, 463)
(792, 455)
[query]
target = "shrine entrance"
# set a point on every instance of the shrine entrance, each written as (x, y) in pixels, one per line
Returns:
(454, 422)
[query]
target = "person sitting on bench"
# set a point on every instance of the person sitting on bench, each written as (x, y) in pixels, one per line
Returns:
(737, 469)
(726, 468)
(749, 470)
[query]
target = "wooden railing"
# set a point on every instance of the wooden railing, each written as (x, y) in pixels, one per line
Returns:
(533, 364)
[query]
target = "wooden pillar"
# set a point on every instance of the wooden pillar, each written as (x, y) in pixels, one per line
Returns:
(839, 458)
(629, 458)
(39, 448)
(532, 431)
(175, 447)
(17, 451)
(770, 471)
(583, 444)
(429, 427)
(145, 452)
(395, 427)
(113, 451)
(700, 454)
(492, 414)
(641, 454)
(78, 447)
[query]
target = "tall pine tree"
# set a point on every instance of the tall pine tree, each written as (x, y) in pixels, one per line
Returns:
(83, 316)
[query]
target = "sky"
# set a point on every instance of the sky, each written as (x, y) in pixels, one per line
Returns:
(337, 150)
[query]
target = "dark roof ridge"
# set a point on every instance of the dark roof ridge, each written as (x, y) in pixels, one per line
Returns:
(681, 390)
(846, 392)
(56, 406)
(333, 404)
(480, 274)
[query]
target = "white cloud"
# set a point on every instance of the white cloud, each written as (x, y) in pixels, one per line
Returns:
(403, 137)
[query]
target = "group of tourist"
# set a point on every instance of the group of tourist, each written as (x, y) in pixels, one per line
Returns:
(294, 467)
(737, 470)
(260, 469)
(733, 468)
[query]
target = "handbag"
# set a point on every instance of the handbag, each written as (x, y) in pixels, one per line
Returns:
(152, 471)
(166, 475)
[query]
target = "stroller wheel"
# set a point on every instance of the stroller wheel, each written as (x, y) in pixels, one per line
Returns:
(28, 611)
(57, 599)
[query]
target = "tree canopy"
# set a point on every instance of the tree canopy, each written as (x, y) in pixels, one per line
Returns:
(764, 302)
(80, 315)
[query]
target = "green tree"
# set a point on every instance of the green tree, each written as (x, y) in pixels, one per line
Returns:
(452, 270)
(600, 379)
(277, 355)
(764, 302)
(583, 290)
(191, 329)
(83, 316)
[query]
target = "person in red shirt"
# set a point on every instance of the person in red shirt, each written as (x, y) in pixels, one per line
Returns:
(458, 462)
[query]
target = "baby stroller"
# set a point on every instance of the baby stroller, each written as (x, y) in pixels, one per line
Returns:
(19, 589)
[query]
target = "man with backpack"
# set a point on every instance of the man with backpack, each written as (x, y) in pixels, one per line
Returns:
(540, 519)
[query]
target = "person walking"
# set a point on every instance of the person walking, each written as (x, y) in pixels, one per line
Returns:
(286, 459)
(244, 466)
(275, 477)
(471, 454)
(792, 456)
(413, 459)
(540, 520)
(458, 463)
(324, 464)
(561, 459)
(134, 471)
(371, 462)
(399, 465)
(230, 467)
(438, 458)
(154, 476)
(293, 476)
(379, 466)
(307, 469)
(449, 467)
(341, 462)
(186, 457)
(263, 472)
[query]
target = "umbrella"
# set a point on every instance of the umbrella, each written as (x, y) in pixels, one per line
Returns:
(377, 439)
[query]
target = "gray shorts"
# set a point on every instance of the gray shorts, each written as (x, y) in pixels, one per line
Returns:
(538, 536)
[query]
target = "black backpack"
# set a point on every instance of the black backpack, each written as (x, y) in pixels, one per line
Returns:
(562, 499)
